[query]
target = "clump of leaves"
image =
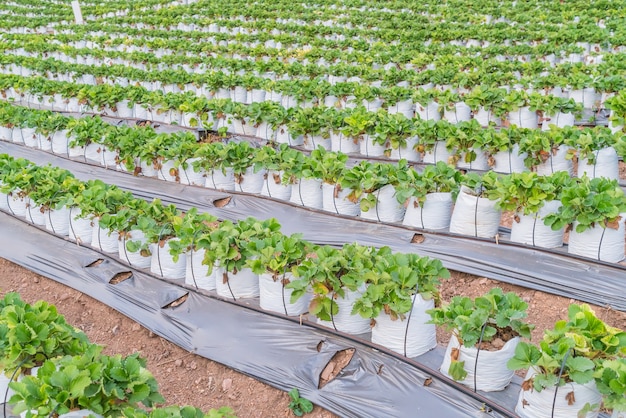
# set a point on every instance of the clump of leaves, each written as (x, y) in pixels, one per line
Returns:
(469, 320)
(578, 346)
(298, 405)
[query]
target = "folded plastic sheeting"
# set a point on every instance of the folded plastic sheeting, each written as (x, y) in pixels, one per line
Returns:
(272, 348)
(552, 271)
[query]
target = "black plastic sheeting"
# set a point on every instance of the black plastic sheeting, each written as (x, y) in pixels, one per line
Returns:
(270, 347)
(551, 271)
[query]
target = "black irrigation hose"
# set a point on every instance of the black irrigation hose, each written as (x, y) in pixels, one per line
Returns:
(556, 387)
(480, 340)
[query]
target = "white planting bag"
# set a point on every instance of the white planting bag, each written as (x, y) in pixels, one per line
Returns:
(387, 207)
(344, 321)
(480, 163)
(474, 216)
(599, 243)
(244, 284)
(338, 204)
(606, 165)
(251, 182)
(17, 204)
(510, 161)
(406, 151)
(531, 230)
(162, 263)
(275, 298)
(60, 142)
(460, 113)
(80, 229)
(368, 148)
(438, 153)
(307, 193)
(101, 239)
(435, 214)
(196, 273)
(34, 214)
(58, 221)
(276, 190)
(343, 143)
(167, 171)
(524, 118)
(556, 162)
(189, 176)
(134, 259)
(412, 334)
(428, 112)
(533, 404)
(220, 181)
(491, 371)
(311, 142)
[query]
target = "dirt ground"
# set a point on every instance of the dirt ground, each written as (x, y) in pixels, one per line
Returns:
(187, 379)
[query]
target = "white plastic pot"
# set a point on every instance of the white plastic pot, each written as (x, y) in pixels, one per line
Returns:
(104, 240)
(59, 142)
(524, 118)
(560, 119)
(459, 113)
(556, 162)
(606, 165)
(33, 214)
(80, 229)
(480, 163)
(311, 142)
(368, 148)
(438, 153)
(406, 151)
(189, 176)
(134, 259)
(510, 161)
(16, 204)
(249, 181)
(274, 188)
(168, 171)
(58, 221)
(428, 112)
(485, 117)
(343, 143)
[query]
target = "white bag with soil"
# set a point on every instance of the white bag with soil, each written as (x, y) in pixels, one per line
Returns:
(81, 229)
(103, 239)
(530, 230)
(249, 181)
(534, 404)
(556, 161)
(218, 180)
(474, 216)
(344, 321)
(274, 188)
(197, 273)
(243, 284)
(387, 207)
(510, 161)
(491, 374)
(274, 297)
(58, 221)
(162, 262)
(410, 337)
(434, 214)
(133, 258)
(307, 193)
(334, 199)
(606, 164)
(606, 244)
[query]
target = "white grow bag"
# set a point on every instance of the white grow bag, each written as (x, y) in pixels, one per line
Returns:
(197, 273)
(406, 151)
(189, 176)
(343, 143)
(162, 262)
(335, 201)
(307, 193)
(218, 180)
(438, 153)
(556, 162)
(387, 207)
(533, 404)
(491, 371)
(274, 188)
(34, 214)
(368, 148)
(250, 182)
(60, 142)
(459, 113)
(80, 229)
(311, 142)
(344, 321)
(428, 112)
(599, 243)
(58, 221)
(410, 337)
(531, 230)
(435, 214)
(474, 216)
(524, 118)
(103, 239)
(134, 259)
(480, 163)
(16, 204)
(510, 161)
(274, 297)
(244, 284)
(606, 165)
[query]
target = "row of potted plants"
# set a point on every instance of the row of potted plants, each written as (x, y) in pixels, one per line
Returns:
(49, 368)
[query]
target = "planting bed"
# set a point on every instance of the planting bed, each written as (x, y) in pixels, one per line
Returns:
(344, 153)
